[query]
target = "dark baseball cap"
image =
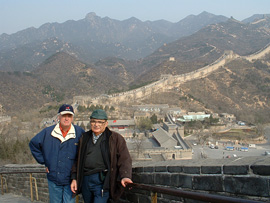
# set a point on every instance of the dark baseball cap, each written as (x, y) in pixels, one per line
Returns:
(66, 109)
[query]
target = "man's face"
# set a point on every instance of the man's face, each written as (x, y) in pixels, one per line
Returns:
(98, 126)
(65, 120)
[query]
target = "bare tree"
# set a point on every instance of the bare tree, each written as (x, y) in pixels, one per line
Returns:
(138, 144)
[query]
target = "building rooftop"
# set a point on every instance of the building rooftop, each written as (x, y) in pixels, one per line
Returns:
(121, 122)
(164, 138)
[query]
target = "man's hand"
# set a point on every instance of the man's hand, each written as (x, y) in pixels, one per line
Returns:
(125, 181)
(73, 186)
(47, 170)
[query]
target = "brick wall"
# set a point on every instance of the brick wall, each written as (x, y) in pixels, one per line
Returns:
(246, 178)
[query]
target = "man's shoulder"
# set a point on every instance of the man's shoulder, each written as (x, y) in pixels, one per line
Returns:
(45, 131)
(49, 128)
(116, 134)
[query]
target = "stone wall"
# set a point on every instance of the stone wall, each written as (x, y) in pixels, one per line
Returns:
(18, 182)
(167, 81)
(5, 119)
(245, 178)
(259, 54)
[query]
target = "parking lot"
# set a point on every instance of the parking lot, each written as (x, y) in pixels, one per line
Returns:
(205, 151)
(222, 152)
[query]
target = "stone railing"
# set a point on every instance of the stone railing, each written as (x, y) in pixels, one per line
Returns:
(244, 178)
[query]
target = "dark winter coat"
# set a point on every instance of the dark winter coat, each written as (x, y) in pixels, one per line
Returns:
(116, 158)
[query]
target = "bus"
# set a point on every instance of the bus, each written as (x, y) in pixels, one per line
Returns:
(230, 148)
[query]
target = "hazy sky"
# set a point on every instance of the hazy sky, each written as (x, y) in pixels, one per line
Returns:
(16, 15)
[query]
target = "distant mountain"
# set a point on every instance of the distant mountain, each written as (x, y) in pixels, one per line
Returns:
(68, 76)
(193, 23)
(94, 38)
(27, 57)
(241, 87)
(204, 47)
(255, 17)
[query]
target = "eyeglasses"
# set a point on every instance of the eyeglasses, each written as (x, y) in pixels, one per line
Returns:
(97, 122)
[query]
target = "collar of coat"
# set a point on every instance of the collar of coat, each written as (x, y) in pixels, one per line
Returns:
(107, 132)
(58, 134)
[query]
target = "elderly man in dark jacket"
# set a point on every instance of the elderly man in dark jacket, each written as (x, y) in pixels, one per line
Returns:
(103, 159)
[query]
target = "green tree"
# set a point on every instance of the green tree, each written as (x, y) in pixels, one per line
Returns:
(81, 109)
(213, 120)
(92, 107)
(99, 106)
(145, 124)
(153, 119)
(106, 108)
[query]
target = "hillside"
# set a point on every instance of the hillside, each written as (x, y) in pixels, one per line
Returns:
(66, 74)
(241, 87)
(58, 79)
(20, 92)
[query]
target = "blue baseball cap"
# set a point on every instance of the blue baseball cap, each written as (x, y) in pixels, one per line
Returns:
(66, 109)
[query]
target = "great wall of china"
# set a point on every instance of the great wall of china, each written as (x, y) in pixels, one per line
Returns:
(167, 81)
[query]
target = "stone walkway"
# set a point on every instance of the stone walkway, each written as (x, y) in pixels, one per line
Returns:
(11, 198)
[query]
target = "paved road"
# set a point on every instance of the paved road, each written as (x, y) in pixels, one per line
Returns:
(11, 198)
(220, 153)
(223, 153)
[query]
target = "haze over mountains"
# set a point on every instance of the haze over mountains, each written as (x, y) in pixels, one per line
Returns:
(101, 55)
(94, 38)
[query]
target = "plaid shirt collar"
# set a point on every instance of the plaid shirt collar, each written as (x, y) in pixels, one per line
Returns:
(95, 137)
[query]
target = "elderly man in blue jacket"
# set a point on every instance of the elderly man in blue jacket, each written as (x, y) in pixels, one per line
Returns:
(56, 148)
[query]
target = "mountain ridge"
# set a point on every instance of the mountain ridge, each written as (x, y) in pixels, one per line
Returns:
(94, 38)
(48, 82)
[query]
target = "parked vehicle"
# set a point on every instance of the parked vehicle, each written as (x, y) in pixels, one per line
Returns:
(229, 148)
(244, 149)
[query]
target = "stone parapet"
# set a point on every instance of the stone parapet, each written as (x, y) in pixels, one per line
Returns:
(245, 178)
(17, 180)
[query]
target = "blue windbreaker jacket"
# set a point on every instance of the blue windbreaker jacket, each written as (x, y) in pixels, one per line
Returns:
(57, 153)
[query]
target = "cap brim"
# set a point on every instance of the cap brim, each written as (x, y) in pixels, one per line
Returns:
(66, 112)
